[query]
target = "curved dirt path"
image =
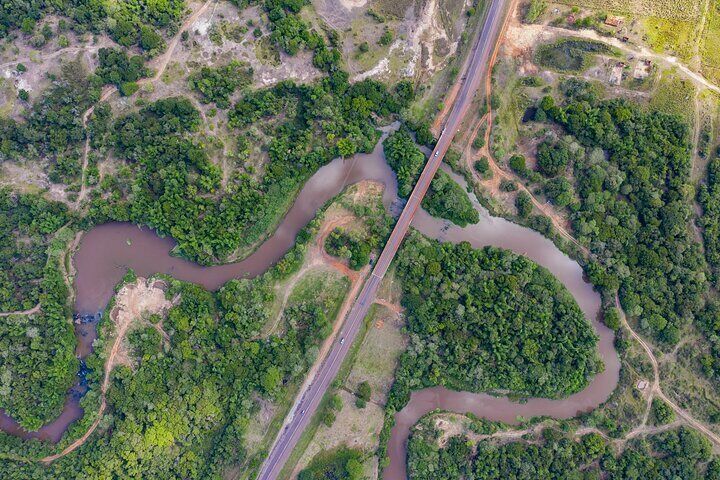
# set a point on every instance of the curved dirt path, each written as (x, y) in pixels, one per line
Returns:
(134, 300)
(556, 219)
(160, 64)
(546, 32)
(34, 309)
(657, 390)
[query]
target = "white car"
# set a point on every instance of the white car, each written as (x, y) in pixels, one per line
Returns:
(437, 153)
(342, 340)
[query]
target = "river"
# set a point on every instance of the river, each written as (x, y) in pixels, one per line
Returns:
(107, 251)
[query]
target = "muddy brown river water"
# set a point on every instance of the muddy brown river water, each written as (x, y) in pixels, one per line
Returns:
(107, 251)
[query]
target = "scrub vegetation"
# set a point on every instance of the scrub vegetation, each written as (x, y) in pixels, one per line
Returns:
(129, 23)
(570, 55)
(680, 453)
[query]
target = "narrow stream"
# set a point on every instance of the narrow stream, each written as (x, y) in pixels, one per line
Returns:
(107, 251)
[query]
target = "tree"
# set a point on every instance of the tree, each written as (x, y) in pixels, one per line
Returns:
(523, 204)
(364, 391)
(552, 158)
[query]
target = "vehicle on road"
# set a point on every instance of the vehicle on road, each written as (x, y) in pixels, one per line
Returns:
(342, 340)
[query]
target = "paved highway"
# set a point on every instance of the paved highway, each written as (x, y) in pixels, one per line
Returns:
(304, 409)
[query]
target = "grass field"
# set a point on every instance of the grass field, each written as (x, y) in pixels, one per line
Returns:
(674, 95)
(674, 9)
(710, 48)
(675, 37)
(373, 361)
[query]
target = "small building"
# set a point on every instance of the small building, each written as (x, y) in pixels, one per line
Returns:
(613, 21)
(642, 69)
(616, 73)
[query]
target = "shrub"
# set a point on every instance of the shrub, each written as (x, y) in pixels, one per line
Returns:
(482, 166)
(386, 38)
(534, 10)
(479, 140)
(517, 164)
(570, 54)
(508, 185)
(523, 204)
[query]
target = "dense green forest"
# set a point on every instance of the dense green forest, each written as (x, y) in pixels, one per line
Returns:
(37, 363)
(350, 245)
(117, 68)
(447, 199)
(631, 170)
(675, 454)
(405, 158)
(27, 224)
(488, 319)
(709, 198)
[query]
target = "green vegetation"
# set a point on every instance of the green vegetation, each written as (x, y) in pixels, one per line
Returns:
(708, 197)
(673, 95)
(631, 170)
(358, 242)
(364, 391)
(340, 464)
(52, 129)
(482, 166)
(479, 140)
(218, 84)
(446, 199)
(675, 454)
(488, 319)
(131, 22)
(661, 412)
(552, 158)
(344, 244)
(28, 225)
(115, 67)
(194, 400)
(570, 54)
(667, 35)
(39, 364)
(165, 162)
(559, 191)
(523, 204)
(405, 158)
(709, 322)
(534, 10)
